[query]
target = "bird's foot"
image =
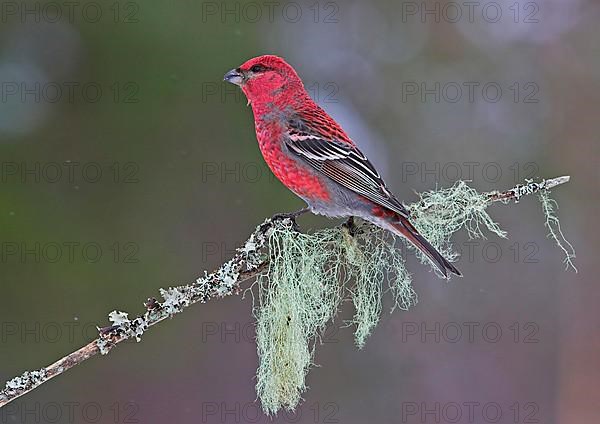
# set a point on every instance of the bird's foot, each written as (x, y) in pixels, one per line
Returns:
(291, 216)
(350, 226)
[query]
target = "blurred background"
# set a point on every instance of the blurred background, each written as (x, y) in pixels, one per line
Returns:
(127, 165)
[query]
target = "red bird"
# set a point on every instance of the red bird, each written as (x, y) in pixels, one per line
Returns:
(312, 155)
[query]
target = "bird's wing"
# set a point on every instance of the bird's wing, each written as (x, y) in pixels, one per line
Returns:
(344, 164)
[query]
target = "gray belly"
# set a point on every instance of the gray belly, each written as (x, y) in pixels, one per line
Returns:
(343, 203)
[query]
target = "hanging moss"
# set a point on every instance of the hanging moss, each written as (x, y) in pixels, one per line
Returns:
(549, 207)
(301, 291)
(299, 294)
(310, 274)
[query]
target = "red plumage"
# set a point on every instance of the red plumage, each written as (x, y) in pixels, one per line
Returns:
(309, 152)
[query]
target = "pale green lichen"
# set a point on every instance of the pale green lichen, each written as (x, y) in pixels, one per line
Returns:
(365, 263)
(175, 299)
(119, 318)
(441, 213)
(23, 383)
(104, 346)
(301, 291)
(129, 328)
(299, 294)
(370, 258)
(549, 207)
(310, 274)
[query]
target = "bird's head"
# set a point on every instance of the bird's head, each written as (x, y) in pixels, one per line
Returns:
(265, 78)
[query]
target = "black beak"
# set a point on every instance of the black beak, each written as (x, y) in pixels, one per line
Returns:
(234, 76)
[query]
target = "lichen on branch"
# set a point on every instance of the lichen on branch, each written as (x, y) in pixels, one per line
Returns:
(310, 274)
(302, 278)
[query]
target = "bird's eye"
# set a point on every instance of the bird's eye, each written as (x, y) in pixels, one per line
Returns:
(258, 68)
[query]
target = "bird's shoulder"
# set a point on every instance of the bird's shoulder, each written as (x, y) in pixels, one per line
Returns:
(312, 120)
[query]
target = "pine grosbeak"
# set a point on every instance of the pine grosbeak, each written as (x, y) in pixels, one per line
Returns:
(312, 155)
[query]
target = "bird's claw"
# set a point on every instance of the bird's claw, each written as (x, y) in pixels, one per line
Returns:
(291, 216)
(350, 226)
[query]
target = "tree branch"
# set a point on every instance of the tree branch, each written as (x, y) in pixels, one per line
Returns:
(529, 187)
(249, 261)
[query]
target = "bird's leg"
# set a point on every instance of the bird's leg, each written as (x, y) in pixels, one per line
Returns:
(291, 216)
(350, 226)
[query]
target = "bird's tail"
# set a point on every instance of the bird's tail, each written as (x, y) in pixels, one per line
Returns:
(403, 227)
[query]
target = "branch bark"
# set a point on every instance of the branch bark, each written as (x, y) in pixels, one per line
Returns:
(249, 261)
